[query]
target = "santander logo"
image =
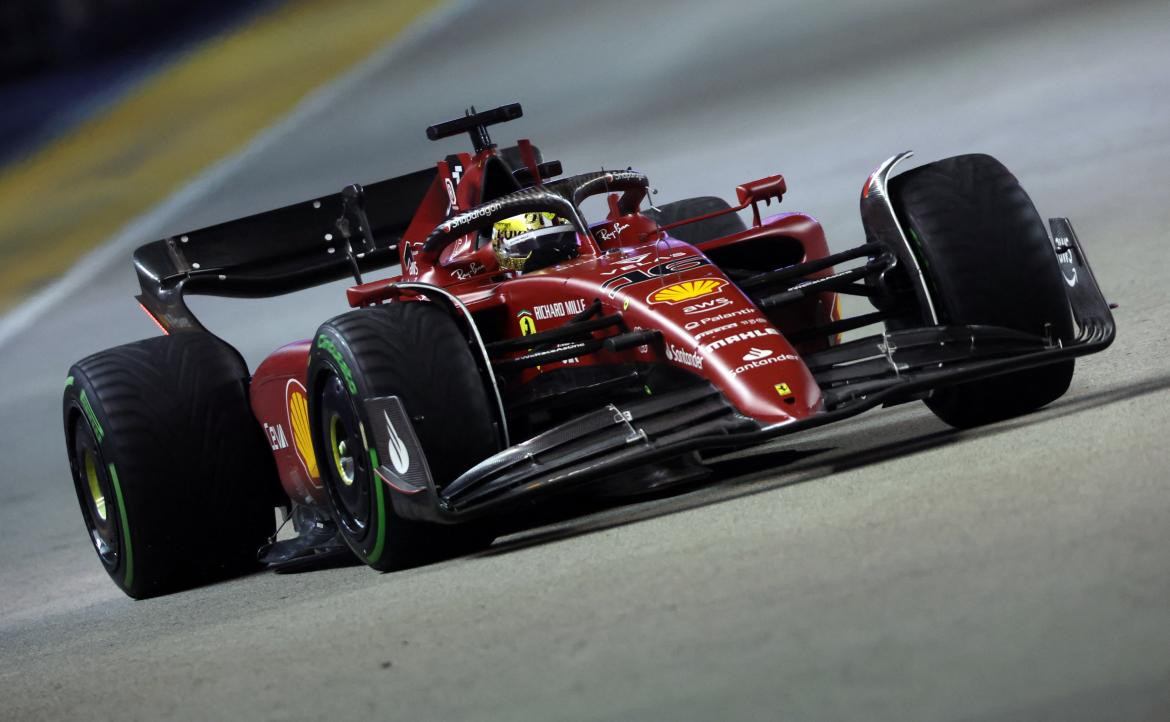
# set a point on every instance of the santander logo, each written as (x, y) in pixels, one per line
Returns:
(755, 354)
(684, 357)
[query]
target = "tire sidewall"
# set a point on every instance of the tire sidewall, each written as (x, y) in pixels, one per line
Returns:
(413, 350)
(82, 414)
(330, 356)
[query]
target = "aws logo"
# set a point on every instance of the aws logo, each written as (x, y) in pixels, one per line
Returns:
(711, 304)
(687, 291)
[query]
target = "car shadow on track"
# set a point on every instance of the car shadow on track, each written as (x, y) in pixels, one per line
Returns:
(769, 469)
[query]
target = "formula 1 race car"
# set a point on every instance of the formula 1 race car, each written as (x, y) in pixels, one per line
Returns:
(527, 351)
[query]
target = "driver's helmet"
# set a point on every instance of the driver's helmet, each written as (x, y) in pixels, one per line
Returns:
(533, 240)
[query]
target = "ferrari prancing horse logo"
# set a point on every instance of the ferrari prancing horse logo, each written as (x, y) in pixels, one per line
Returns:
(527, 324)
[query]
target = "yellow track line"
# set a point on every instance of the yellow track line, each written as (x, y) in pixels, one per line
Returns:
(76, 192)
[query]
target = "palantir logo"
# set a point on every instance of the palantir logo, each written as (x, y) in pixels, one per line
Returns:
(755, 354)
(396, 449)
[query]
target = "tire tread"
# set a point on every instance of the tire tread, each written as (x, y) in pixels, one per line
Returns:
(987, 257)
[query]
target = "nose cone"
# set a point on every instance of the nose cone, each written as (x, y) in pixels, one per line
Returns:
(710, 328)
(757, 369)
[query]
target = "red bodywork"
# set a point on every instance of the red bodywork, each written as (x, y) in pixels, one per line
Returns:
(708, 326)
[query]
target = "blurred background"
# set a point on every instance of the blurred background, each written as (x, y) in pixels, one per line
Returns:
(1016, 572)
(63, 59)
(108, 106)
(58, 34)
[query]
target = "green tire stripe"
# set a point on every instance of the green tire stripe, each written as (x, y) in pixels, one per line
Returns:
(129, 578)
(380, 544)
(98, 431)
(68, 381)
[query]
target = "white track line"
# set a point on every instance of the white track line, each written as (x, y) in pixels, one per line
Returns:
(145, 227)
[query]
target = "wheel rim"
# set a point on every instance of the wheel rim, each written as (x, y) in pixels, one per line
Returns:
(93, 490)
(346, 477)
(96, 495)
(342, 454)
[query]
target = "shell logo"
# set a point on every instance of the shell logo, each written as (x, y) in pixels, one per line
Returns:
(687, 290)
(298, 419)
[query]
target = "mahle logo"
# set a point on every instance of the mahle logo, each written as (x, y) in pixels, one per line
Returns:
(742, 336)
(687, 290)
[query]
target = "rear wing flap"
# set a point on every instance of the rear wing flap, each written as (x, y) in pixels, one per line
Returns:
(279, 251)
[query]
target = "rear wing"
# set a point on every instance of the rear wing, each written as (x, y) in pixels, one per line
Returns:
(280, 251)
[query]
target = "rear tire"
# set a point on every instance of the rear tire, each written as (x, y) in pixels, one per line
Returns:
(702, 231)
(988, 260)
(415, 351)
(174, 478)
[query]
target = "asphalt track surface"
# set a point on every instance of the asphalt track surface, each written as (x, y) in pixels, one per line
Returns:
(887, 568)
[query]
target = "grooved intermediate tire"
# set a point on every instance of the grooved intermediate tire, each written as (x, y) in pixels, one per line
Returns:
(175, 480)
(415, 351)
(701, 231)
(987, 257)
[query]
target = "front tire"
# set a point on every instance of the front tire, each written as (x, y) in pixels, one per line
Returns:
(987, 258)
(415, 351)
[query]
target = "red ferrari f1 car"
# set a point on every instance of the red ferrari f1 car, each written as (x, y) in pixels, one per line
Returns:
(525, 350)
